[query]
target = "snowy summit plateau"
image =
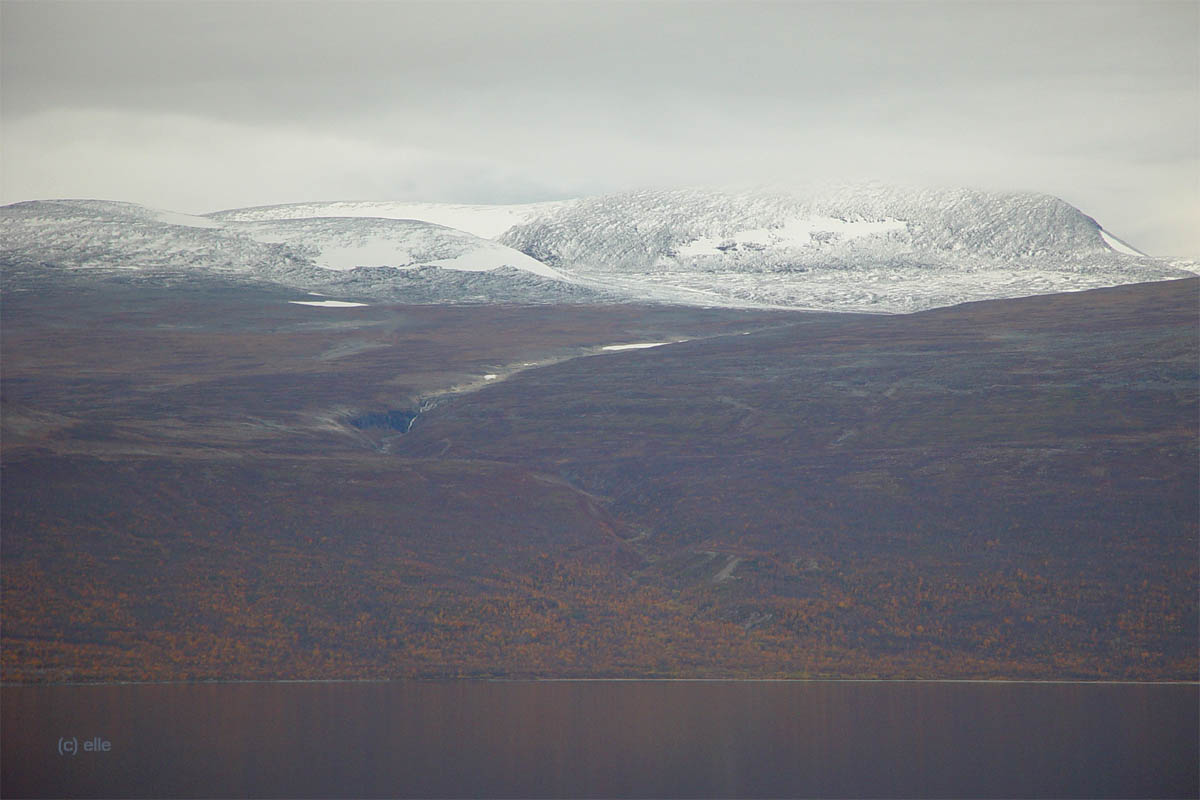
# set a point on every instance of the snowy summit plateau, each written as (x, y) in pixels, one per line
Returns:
(867, 247)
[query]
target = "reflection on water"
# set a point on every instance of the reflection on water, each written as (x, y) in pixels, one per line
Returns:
(608, 739)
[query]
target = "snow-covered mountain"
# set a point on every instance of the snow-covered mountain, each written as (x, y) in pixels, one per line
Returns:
(869, 247)
(104, 235)
(384, 258)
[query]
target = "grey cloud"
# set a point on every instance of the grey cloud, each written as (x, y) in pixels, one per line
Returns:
(269, 58)
(561, 97)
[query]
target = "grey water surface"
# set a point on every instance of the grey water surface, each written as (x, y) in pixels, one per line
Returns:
(602, 739)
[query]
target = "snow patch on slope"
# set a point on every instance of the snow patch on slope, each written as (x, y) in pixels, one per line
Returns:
(343, 243)
(185, 220)
(636, 346)
(326, 303)
(793, 233)
(487, 221)
(1118, 245)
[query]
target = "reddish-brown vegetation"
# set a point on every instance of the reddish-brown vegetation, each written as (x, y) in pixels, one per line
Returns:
(997, 490)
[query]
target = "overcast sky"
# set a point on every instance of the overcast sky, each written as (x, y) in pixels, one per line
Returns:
(196, 106)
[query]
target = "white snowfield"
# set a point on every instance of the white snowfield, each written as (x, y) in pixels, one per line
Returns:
(345, 243)
(873, 248)
(793, 233)
(636, 346)
(486, 221)
(102, 234)
(327, 303)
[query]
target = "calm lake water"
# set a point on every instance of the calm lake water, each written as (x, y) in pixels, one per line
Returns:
(602, 739)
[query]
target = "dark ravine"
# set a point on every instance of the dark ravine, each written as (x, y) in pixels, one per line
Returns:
(392, 419)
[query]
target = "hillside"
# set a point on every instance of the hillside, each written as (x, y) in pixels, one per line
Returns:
(867, 247)
(45, 242)
(1006, 487)
(217, 483)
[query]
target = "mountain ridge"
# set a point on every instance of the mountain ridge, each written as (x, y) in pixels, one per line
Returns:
(844, 247)
(372, 258)
(482, 219)
(853, 247)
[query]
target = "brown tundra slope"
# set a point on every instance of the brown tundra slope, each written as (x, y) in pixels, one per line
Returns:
(213, 484)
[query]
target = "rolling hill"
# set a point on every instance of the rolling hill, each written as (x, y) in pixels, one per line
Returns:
(368, 257)
(861, 247)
